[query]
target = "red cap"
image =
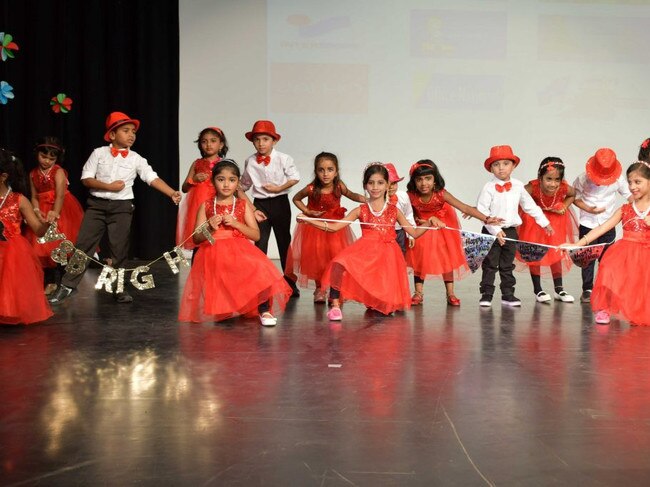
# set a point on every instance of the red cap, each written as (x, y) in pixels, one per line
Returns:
(603, 168)
(263, 127)
(393, 177)
(499, 153)
(115, 119)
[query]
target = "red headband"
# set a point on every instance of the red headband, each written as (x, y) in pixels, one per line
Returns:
(417, 165)
(645, 144)
(51, 146)
(217, 130)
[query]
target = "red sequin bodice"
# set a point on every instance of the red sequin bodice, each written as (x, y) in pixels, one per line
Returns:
(205, 166)
(549, 202)
(329, 203)
(634, 227)
(385, 230)
(10, 215)
(435, 207)
(46, 182)
(240, 211)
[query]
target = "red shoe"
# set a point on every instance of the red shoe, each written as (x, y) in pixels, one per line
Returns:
(417, 299)
(453, 300)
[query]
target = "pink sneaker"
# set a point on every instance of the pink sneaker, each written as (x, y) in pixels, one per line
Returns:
(602, 317)
(335, 314)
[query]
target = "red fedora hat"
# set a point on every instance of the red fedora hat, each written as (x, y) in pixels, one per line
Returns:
(393, 177)
(603, 168)
(499, 153)
(263, 127)
(115, 119)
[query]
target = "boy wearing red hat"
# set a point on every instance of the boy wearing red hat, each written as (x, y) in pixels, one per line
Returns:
(501, 197)
(109, 174)
(402, 201)
(270, 174)
(596, 191)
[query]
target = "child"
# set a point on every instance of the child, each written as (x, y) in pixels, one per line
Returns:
(595, 195)
(271, 174)
(437, 253)
(372, 270)
(401, 200)
(501, 197)
(109, 173)
(553, 194)
(622, 282)
(21, 274)
(52, 202)
(230, 277)
(312, 250)
(213, 146)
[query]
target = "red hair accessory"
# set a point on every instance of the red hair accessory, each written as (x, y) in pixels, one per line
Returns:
(645, 144)
(415, 166)
(49, 146)
(217, 130)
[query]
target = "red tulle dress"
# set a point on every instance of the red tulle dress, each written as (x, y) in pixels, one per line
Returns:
(231, 277)
(69, 219)
(622, 281)
(565, 229)
(312, 249)
(437, 252)
(372, 270)
(190, 204)
(21, 276)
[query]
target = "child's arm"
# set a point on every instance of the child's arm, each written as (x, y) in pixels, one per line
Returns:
(34, 199)
(290, 172)
(470, 210)
(589, 209)
(432, 222)
(114, 186)
(275, 188)
(297, 200)
(38, 226)
(334, 227)
(201, 217)
(192, 179)
(60, 185)
(566, 204)
(598, 231)
(165, 189)
(345, 191)
(248, 227)
(528, 204)
(260, 216)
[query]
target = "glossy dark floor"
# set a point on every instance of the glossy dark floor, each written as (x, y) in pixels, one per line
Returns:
(108, 394)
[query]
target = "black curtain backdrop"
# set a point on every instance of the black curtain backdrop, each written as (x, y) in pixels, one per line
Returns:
(107, 55)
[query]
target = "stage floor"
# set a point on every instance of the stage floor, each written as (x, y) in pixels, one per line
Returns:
(110, 394)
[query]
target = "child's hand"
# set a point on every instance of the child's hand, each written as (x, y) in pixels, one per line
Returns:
(436, 223)
(199, 177)
(596, 210)
(501, 238)
(176, 197)
(549, 230)
(260, 216)
(52, 216)
(411, 242)
(228, 219)
(272, 188)
(493, 220)
(39, 215)
(215, 221)
(314, 213)
(115, 186)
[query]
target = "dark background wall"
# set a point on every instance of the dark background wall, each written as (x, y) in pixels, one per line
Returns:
(107, 56)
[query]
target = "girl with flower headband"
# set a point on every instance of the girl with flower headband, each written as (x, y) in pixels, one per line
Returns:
(52, 203)
(372, 270)
(212, 146)
(311, 250)
(554, 196)
(437, 254)
(21, 275)
(622, 282)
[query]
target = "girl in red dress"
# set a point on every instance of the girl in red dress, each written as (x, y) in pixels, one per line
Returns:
(554, 196)
(198, 185)
(52, 202)
(312, 250)
(622, 280)
(372, 270)
(21, 275)
(437, 254)
(230, 277)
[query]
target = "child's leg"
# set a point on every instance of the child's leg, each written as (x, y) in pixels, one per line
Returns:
(118, 226)
(418, 295)
(280, 218)
(536, 278)
(401, 240)
(587, 271)
(452, 300)
(335, 314)
(489, 268)
(265, 226)
(507, 263)
(560, 293)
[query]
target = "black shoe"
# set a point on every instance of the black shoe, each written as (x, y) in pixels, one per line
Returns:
(511, 300)
(586, 296)
(61, 293)
(123, 297)
(486, 300)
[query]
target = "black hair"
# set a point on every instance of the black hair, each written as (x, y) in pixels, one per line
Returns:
(376, 168)
(552, 162)
(426, 167)
(50, 146)
(219, 133)
(641, 166)
(225, 164)
(12, 166)
(644, 151)
(317, 183)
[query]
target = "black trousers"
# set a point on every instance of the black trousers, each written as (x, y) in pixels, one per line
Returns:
(588, 272)
(112, 217)
(278, 213)
(501, 258)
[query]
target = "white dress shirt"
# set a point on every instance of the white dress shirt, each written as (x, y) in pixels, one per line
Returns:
(280, 170)
(103, 167)
(599, 196)
(404, 205)
(506, 205)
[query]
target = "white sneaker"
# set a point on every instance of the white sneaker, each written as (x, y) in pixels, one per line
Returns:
(542, 297)
(267, 319)
(564, 297)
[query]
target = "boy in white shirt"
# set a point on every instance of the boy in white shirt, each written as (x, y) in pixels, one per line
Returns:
(403, 203)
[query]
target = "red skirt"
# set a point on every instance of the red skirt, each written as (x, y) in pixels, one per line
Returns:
(565, 229)
(68, 223)
(188, 209)
(22, 299)
(373, 272)
(439, 252)
(622, 282)
(231, 278)
(312, 250)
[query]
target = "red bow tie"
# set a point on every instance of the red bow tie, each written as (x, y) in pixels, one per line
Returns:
(263, 159)
(115, 151)
(504, 187)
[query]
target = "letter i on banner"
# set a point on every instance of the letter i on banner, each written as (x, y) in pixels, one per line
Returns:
(179, 258)
(106, 279)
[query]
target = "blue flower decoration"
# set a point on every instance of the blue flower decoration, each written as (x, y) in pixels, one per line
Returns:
(6, 92)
